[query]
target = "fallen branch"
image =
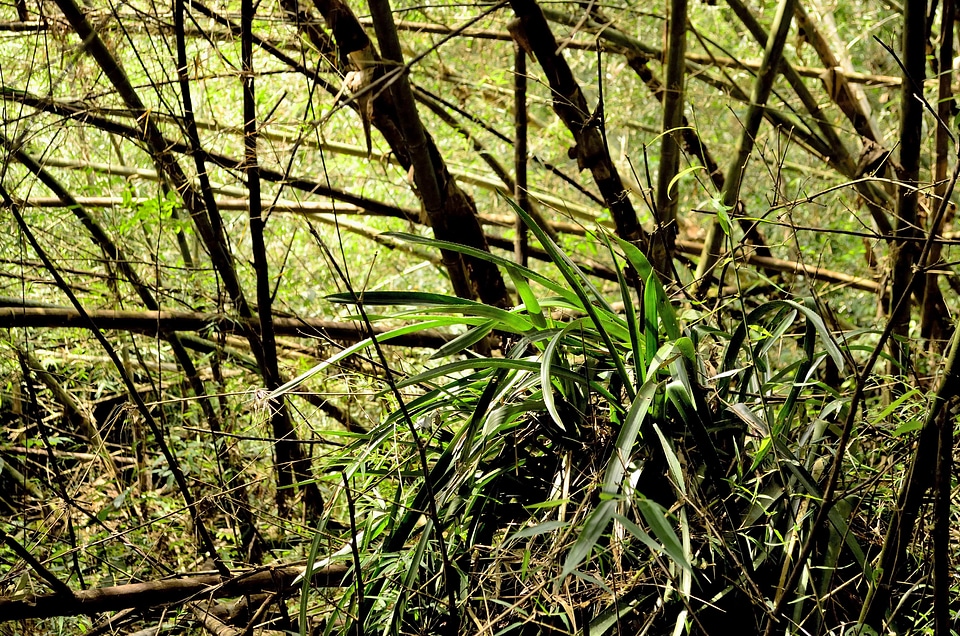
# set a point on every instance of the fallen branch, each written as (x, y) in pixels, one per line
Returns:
(154, 322)
(780, 265)
(167, 592)
(44, 453)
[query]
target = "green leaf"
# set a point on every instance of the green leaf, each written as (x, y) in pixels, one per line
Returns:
(440, 303)
(639, 533)
(609, 617)
(894, 406)
(754, 318)
(794, 465)
(546, 374)
(530, 302)
(633, 327)
(465, 340)
(723, 214)
(580, 284)
(651, 326)
(542, 528)
(673, 463)
(346, 353)
(593, 528)
(420, 299)
(531, 366)
(308, 578)
(656, 517)
(686, 348)
(552, 503)
(724, 219)
(410, 576)
(623, 449)
(668, 316)
(526, 272)
(907, 427)
(682, 174)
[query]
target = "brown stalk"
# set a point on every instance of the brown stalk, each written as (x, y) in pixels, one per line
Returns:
(167, 322)
(521, 242)
(450, 211)
(943, 474)
(662, 244)
(533, 34)
(931, 314)
(904, 251)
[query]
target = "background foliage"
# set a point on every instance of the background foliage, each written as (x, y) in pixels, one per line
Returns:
(484, 317)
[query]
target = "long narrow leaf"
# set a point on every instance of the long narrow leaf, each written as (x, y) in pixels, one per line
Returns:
(623, 449)
(645, 271)
(440, 303)
(673, 463)
(546, 375)
(346, 353)
(656, 517)
(593, 528)
(578, 281)
(526, 272)
(465, 340)
(651, 327)
(529, 299)
(629, 311)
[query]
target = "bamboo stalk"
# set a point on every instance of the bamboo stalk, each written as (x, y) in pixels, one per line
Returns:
(730, 196)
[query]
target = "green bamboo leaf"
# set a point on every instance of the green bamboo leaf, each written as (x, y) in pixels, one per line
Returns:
(550, 503)
(481, 364)
(465, 340)
(422, 299)
(526, 272)
(673, 463)
(748, 417)
(753, 318)
(639, 533)
(651, 326)
(539, 529)
(907, 427)
(633, 327)
(656, 517)
(793, 464)
(623, 449)
(593, 528)
(439, 303)
(410, 576)
(422, 315)
(346, 353)
(579, 282)
(530, 302)
(668, 315)
(609, 617)
(686, 577)
(782, 323)
(894, 406)
(546, 374)
(682, 174)
(308, 578)
(667, 354)
(723, 214)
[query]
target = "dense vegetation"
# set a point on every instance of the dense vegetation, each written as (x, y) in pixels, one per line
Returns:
(495, 318)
